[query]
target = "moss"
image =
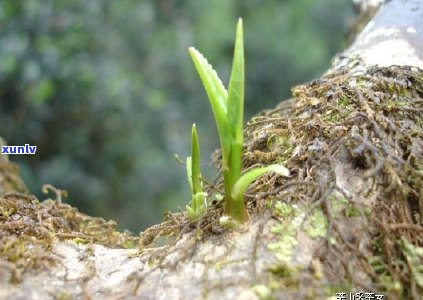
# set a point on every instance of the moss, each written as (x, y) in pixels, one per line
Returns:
(263, 292)
(291, 219)
(285, 240)
(372, 121)
(63, 296)
(338, 205)
(284, 276)
(283, 210)
(343, 101)
(377, 263)
(317, 269)
(316, 225)
(341, 207)
(331, 117)
(284, 247)
(29, 228)
(331, 290)
(414, 256)
(390, 285)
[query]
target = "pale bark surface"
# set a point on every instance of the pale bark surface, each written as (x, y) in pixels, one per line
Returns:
(257, 260)
(394, 36)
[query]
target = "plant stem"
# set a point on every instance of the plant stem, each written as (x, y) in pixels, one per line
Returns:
(235, 114)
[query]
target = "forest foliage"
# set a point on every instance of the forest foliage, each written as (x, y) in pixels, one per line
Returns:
(107, 93)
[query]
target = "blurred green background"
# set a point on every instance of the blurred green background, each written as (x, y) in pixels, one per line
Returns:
(108, 93)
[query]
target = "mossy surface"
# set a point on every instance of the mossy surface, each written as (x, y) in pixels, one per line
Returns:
(353, 142)
(29, 227)
(370, 123)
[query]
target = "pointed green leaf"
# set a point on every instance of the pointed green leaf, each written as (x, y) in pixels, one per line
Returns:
(189, 174)
(195, 161)
(211, 81)
(216, 93)
(246, 179)
(236, 110)
(236, 86)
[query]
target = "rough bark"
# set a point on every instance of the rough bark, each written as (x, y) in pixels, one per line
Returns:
(348, 220)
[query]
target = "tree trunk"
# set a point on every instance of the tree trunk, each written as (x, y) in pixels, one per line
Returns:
(348, 220)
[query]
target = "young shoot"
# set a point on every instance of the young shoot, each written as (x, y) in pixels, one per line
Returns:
(198, 202)
(228, 110)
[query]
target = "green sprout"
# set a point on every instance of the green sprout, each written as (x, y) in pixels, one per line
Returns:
(198, 202)
(228, 110)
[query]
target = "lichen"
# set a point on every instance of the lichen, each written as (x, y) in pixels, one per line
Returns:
(316, 225)
(285, 232)
(263, 292)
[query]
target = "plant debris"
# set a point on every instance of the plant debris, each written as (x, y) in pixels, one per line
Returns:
(354, 144)
(29, 227)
